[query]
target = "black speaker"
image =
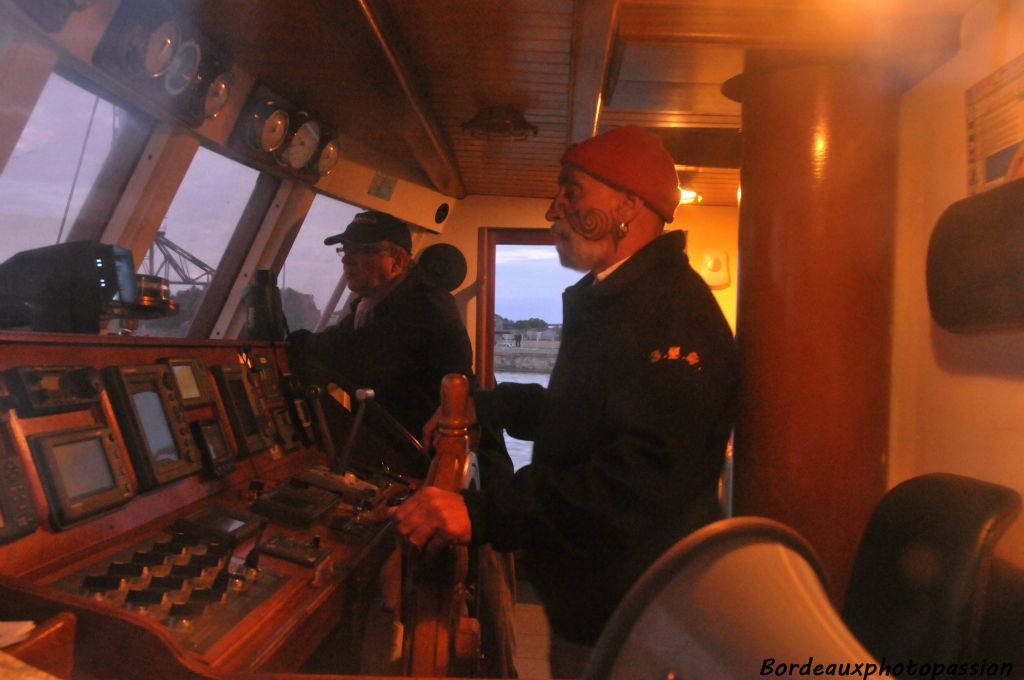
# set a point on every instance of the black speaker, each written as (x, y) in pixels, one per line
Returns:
(442, 213)
(975, 268)
(444, 264)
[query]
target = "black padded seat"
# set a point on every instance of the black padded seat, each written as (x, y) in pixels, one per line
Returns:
(916, 591)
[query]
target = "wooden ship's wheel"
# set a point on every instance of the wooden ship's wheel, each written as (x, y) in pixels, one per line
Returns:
(441, 638)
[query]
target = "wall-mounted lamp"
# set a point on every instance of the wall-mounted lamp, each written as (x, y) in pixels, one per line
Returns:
(714, 269)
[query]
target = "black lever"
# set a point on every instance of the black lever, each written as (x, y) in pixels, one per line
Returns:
(362, 396)
(315, 394)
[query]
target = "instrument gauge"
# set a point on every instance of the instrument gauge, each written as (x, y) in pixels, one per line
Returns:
(183, 68)
(302, 145)
(328, 158)
(216, 96)
(268, 127)
(159, 48)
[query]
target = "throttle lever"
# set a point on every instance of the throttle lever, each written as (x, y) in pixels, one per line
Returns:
(362, 396)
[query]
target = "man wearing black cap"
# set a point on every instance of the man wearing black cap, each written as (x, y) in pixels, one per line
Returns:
(630, 434)
(401, 337)
(403, 333)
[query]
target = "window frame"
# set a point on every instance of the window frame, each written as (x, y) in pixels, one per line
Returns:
(489, 238)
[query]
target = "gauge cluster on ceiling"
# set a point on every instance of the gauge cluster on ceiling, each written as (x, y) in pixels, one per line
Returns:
(167, 60)
(271, 130)
(153, 50)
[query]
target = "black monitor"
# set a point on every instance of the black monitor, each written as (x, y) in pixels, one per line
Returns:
(210, 438)
(82, 473)
(154, 427)
(248, 422)
(67, 287)
(191, 381)
(220, 524)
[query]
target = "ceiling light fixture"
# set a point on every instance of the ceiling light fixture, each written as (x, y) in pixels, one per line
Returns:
(689, 197)
(504, 123)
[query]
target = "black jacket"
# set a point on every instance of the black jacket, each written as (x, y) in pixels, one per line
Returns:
(629, 437)
(412, 339)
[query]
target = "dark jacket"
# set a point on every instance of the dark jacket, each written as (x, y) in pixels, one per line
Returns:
(412, 339)
(629, 437)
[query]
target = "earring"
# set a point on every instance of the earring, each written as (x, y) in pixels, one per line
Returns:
(623, 229)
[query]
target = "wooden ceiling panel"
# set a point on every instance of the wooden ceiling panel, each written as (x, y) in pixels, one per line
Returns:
(715, 186)
(313, 43)
(656, 119)
(678, 63)
(683, 97)
(508, 53)
(793, 24)
(405, 75)
(673, 55)
(703, 147)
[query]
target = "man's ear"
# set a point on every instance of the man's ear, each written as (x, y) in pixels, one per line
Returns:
(401, 263)
(626, 209)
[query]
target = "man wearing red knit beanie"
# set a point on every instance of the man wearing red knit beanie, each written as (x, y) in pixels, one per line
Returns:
(629, 436)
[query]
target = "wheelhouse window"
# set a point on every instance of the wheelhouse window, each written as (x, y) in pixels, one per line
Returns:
(309, 280)
(69, 167)
(195, 233)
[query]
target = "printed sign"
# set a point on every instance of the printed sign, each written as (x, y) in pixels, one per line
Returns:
(995, 128)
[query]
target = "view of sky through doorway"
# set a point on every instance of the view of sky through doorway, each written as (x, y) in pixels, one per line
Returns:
(528, 285)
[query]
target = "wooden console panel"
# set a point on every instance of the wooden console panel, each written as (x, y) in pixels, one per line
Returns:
(277, 635)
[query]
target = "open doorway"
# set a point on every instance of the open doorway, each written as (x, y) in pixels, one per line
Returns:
(520, 330)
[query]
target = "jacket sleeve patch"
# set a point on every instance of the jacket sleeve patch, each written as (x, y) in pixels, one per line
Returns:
(674, 353)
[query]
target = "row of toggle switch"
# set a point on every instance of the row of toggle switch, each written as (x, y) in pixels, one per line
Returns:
(175, 581)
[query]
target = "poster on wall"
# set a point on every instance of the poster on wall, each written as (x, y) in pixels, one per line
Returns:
(995, 128)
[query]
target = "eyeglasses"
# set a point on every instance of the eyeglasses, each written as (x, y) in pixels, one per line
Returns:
(361, 250)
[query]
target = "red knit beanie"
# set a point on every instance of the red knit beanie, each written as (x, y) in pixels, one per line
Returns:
(632, 160)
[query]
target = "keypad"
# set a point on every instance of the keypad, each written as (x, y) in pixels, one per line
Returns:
(193, 586)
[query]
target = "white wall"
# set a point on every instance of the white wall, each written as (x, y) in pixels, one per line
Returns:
(711, 228)
(957, 400)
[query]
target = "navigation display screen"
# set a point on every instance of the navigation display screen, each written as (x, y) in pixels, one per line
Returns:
(155, 427)
(82, 468)
(186, 379)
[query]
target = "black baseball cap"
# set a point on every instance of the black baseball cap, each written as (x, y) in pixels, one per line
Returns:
(373, 226)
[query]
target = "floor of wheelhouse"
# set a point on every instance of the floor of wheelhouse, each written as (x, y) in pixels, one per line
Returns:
(531, 626)
(381, 649)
